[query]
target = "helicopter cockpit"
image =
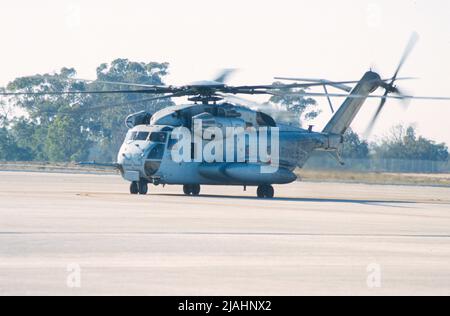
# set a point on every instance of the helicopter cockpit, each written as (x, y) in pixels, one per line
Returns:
(143, 151)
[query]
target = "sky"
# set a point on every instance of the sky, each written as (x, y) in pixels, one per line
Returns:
(336, 40)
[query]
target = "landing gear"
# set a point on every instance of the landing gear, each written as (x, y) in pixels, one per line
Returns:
(134, 188)
(139, 187)
(143, 187)
(191, 189)
(266, 191)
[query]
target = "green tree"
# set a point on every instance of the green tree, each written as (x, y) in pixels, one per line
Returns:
(29, 136)
(66, 140)
(354, 147)
(32, 132)
(43, 109)
(303, 108)
(107, 126)
(5, 144)
(70, 127)
(5, 111)
(403, 143)
(9, 150)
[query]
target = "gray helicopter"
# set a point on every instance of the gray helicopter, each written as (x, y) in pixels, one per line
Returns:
(146, 156)
(263, 152)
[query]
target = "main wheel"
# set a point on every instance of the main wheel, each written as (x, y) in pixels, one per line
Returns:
(191, 189)
(270, 192)
(143, 187)
(265, 192)
(187, 189)
(196, 190)
(134, 188)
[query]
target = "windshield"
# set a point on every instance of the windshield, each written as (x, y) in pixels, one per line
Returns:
(158, 137)
(142, 136)
(137, 136)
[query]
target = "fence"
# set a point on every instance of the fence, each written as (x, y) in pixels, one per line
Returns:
(323, 162)
(317, 162)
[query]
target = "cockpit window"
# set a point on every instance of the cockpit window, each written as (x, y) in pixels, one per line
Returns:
(142, 136)
(131, 136)
(158, 137)
(137, 136)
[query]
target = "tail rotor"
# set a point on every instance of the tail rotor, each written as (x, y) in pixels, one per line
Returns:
(391, 88)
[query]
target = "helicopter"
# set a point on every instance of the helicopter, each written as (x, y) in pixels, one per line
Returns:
(263, 152)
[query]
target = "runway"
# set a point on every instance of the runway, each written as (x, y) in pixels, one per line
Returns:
(313, 239)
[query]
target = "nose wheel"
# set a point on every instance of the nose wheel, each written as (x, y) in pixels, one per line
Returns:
(191, 189)
(139, 187)
(265, 192)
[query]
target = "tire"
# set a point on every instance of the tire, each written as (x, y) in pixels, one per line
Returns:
(134, 188)
(191, 189)
(143, 187)
(260, 192)
(187, 189)
(265, 192)
(270, 192)
(195, 190)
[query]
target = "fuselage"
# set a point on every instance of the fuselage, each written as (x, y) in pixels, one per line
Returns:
(147, 152)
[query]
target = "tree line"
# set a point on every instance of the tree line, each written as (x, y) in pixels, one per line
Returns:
(61, 128)
(402, 143)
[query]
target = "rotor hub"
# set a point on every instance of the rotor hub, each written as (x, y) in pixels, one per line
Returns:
(205, 98)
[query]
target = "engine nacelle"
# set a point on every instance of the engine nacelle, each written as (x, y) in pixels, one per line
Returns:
(140, 118)
(222, 123)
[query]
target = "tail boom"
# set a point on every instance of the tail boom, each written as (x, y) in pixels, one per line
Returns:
(343, 118)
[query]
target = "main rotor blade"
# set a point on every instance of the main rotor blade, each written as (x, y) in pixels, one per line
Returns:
(129, 84)
(94, 108)
(286, 86)
(321, 83)
(325, 82)
(240, 100)
(355, 96)
(409, 48)
(101, 107)
(146, 91)
(280, 115)
(224, 75)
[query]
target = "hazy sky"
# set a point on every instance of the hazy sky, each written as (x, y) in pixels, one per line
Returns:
(337, 40)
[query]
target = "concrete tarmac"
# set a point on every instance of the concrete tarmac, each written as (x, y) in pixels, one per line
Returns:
(85, 235)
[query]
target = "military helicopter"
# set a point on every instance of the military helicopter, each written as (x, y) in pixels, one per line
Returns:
(147, 154)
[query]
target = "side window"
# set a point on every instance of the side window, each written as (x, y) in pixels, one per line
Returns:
(157, 152)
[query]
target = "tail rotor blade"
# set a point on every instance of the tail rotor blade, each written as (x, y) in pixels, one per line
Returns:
(406, 101)
(377, 114)
(409, 48)
(390, 88)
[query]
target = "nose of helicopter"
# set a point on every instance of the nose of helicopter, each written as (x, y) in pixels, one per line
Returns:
(132, 155)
